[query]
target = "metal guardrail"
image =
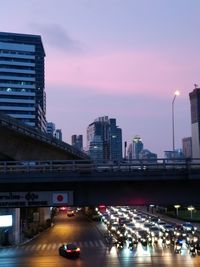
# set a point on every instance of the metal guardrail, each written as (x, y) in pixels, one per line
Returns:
(89, 166)
(11, 123)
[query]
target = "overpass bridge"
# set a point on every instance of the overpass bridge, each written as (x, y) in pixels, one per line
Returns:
(21, 142)
(86, 183)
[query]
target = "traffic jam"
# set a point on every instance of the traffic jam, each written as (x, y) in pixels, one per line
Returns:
(128, 228)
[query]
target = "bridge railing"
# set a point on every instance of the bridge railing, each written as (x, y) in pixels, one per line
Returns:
(86, 166)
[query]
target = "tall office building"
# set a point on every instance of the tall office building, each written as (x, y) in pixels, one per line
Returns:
(195, 120)
(58, 134)
(51, 128)
(22, 93)
(147, 155)
(104, 137)
(135, 148)
(77, 141)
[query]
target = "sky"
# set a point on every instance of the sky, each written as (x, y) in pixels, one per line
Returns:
(118, 58)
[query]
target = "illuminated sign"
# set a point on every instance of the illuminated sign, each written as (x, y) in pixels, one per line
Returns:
(5, 220)
(36, 199)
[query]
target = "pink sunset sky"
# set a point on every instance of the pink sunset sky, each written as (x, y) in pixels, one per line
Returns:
(123, 59)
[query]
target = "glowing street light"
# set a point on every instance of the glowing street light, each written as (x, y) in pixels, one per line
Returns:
(177, 207)
(177, 93)
(191, 208)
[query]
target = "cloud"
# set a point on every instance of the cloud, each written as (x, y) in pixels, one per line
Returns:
(122, 72)
(56, 36)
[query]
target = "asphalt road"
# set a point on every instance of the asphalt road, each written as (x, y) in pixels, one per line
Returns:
(43, 250)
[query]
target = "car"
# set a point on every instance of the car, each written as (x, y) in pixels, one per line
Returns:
(189, 228)
(70, 213)
(62, 209)
(69, 250)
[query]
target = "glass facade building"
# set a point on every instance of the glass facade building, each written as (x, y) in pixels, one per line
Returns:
(104, 140)
(77, 141)
(22, 86)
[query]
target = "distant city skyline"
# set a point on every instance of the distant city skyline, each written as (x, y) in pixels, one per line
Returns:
(123, 59)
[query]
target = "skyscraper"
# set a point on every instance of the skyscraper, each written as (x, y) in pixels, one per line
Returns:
(51, 128)
(58, 134)
(195, 119)
(137, 146)
(22, 93)
(77, 141)
(104, 140)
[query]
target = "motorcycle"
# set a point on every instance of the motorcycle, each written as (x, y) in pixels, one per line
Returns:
(168, 242)
(178, 246)
(150, 240)
(143, 242)
(192, 250)
(120, 245)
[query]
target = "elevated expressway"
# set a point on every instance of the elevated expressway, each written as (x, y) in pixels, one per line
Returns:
(136, 183)
(21, 142)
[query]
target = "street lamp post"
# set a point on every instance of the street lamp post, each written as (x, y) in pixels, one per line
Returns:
(177, 207)
(175, 95)
(191, 208)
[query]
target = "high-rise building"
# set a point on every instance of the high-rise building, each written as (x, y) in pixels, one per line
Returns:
(96, 149)
(77, 141)
(51, 128)
(137, 146)
(195, 120)
(187, 147)
(58, 134)
(147, 155)
(22, 93)
(104, 137)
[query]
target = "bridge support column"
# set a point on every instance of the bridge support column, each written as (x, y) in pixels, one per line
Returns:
(16, 231)
(45, 214)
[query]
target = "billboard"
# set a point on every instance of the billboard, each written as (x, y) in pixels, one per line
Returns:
(36, 199)
(5, 220)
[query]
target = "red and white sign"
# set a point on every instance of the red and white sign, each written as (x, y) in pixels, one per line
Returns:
(60, 198)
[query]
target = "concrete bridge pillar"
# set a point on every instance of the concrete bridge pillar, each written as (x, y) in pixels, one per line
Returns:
(16, 230)
(45, 214)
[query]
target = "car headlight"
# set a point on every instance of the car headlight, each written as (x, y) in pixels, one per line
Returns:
(195, 239)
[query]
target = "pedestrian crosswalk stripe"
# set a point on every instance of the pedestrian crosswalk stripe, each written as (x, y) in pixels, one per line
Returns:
(32, 247)
(47, 246)
(43, 246)
(38, 246)
(85, 244)
(54, 246)
(102, 244)
(96, 243)
(91, 243)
